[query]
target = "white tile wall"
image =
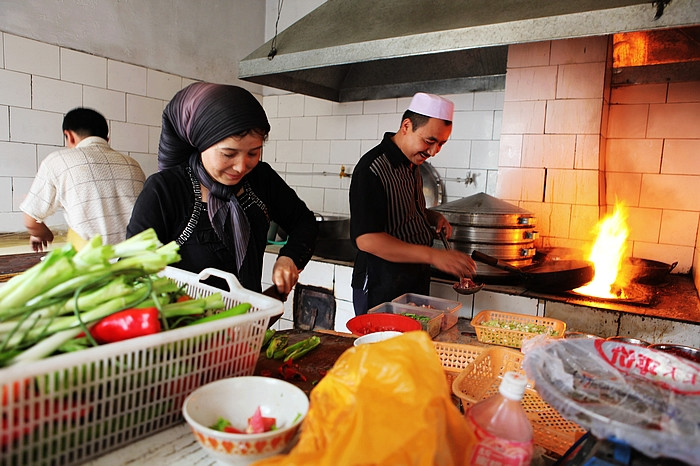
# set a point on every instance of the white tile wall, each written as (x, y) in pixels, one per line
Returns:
(54, 95)
(83, 68)
(16, 89)
(35, 126)
(31, 56)
(126, 77)
(5, 194)
(161, 85)
(111, 104)
(487, 300)
(128, 137)
(144, 110)
(4, 123)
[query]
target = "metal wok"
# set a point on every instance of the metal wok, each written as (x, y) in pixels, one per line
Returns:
(551, 276)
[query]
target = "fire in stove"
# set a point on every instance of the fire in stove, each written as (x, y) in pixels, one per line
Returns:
(607, 254)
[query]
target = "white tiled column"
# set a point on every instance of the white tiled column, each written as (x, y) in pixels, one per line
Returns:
(550, 135)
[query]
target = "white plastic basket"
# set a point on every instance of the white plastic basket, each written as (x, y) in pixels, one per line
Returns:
(69, 408)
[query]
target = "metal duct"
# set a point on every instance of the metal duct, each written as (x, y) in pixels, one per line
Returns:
(368, 49)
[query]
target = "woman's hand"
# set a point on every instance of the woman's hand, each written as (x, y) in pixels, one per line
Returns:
(285, 274)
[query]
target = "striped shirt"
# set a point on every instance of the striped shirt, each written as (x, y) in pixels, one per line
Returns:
(386, 195)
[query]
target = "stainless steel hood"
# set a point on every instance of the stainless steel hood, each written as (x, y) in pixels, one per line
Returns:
(349, 50)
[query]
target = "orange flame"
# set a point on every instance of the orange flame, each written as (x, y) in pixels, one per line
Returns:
(607, 254)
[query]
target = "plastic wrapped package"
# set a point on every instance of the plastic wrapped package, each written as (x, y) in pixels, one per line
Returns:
(646, 398)
(384, 404)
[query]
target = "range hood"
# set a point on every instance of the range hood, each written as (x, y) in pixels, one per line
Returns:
(350, 50)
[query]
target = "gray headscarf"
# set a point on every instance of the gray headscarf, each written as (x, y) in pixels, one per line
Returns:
(198, 117)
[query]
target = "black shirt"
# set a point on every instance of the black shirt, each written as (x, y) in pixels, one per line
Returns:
(167, 202)
(386, 196)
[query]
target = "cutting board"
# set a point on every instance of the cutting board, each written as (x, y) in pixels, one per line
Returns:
(313, 365)
(14, 264)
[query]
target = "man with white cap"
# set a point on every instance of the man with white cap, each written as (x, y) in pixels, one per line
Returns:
(389, 223)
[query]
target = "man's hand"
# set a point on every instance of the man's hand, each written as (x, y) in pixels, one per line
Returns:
(454, 262)
(38, 244)
(39, 234)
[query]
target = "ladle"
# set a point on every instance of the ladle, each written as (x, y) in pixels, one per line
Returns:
(459, 287)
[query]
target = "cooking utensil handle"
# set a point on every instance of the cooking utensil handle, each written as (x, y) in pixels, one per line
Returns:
(445, 243)
(495, 262)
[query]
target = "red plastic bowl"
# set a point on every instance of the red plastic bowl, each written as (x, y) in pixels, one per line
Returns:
(381, 322)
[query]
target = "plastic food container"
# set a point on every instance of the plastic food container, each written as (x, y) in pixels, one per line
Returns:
(509, 337)
(448, 307)
(432, 326)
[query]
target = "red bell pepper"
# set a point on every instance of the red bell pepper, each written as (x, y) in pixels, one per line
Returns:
(129, 323)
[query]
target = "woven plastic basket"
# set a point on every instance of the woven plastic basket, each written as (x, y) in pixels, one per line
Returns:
(481, 379)
(455, 357)
(69, 408)
(512, 338)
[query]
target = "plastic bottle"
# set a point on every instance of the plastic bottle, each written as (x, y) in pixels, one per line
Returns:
(502, 432)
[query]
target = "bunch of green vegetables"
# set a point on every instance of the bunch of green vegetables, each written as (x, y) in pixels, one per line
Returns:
(45, 308)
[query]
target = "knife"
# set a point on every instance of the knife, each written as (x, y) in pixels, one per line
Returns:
(273, 293)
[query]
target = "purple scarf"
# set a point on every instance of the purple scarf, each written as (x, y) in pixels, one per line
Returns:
(198, 117)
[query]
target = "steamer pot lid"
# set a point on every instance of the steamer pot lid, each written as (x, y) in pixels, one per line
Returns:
(482, 203)
(432, 185)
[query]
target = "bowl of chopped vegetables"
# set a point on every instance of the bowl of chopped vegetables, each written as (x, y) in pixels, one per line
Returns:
(240, 420)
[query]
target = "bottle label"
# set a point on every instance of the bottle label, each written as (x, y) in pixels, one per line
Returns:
(495, 451)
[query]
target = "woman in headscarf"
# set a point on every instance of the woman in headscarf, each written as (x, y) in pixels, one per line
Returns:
(215, 197)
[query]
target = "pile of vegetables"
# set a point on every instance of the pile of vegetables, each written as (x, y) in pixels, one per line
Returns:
(100, 294)
(520, 327)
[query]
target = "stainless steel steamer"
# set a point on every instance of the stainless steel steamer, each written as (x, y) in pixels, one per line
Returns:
(495, 227)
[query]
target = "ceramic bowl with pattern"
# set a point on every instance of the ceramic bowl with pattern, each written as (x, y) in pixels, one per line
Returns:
(236, 399)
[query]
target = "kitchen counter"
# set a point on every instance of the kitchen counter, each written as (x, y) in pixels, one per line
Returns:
(176, 446)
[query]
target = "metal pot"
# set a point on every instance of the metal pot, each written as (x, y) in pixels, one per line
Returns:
(333, 240)
(647, 271)
(687, 352)
(332, 226)
(629, 340)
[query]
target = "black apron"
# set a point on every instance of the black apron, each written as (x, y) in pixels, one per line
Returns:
(389, 280)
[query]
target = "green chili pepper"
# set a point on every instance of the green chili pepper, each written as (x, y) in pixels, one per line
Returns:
(276, 344)
(309, 344)
(282, 352)
(269, 333)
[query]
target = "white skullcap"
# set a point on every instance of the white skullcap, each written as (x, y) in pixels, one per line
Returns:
(432, 106)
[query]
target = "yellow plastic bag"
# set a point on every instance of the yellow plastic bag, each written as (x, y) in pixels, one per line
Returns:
(385, 403)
